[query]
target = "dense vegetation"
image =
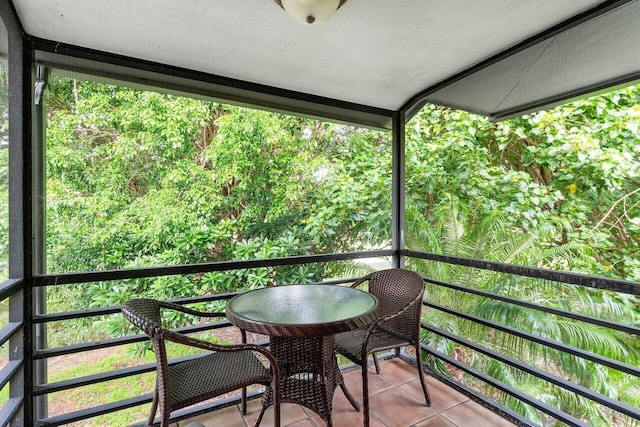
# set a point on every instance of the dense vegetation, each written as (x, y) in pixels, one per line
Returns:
(558, 190)
(575, 169)
(145, 179)
(137, 179)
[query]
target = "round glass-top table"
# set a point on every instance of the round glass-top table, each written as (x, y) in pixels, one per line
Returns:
(301, 321)
(302, 310)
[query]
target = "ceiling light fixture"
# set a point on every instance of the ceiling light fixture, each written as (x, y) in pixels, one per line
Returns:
(310, 11)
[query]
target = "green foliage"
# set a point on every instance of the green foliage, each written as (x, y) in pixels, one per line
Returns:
(523, 249)
(575, 168)
(139, 179)
(557, 190)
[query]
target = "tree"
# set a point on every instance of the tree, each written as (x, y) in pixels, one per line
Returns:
(515, 192)
(576, 167)
(139, 179)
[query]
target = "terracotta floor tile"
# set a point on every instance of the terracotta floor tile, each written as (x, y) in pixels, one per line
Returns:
(346, 416)
(228, 417)
(472, 413)
(289, 414)
(353, 381)
(398, 371)
(391, 405)
(397, 408)
(437, 421)
(303, 423)
(442, 396)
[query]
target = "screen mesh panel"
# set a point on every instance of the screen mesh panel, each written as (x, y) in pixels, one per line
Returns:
(597, 54)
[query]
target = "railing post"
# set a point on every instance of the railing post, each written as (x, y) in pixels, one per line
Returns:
(20, 59)
(397, 194)
(39, 230)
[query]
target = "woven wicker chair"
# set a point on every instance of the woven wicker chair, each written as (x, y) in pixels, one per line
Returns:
(400, 294)
(184, 383)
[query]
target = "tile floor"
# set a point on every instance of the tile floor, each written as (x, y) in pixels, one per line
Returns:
(396, 401)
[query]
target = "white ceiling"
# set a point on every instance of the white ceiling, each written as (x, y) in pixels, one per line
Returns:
(377, 53)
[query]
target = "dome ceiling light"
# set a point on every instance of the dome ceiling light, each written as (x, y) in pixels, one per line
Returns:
(310, 11)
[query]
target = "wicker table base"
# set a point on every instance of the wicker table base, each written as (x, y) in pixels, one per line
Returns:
(309, 374)
(302, 321)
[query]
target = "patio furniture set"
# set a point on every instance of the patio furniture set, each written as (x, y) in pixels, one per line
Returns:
(307, 325)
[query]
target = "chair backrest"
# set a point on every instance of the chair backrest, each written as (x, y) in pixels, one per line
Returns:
(395, 289)
(145, 314)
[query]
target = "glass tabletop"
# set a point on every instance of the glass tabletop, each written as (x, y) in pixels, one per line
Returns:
(302, 310)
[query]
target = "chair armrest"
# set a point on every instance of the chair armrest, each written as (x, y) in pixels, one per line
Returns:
(360, 281)
(205, 345)
(177, 337)
(381, 320)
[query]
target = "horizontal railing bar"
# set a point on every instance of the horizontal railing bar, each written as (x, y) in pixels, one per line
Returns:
(71, 315)
(56, 387)
(579, 279)
(587, 319)
(553, 379)
(8, 371)
(95, 411)
(98, 276)
(205, 298)
(79, 348)
(9, 330)
(10, 287)
(542, 406)
(85, 347)
(9, 409)
(623, 367)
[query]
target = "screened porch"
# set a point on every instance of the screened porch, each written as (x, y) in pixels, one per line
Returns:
(332, 129)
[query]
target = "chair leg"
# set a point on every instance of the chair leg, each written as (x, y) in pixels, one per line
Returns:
(365, 394)
(259, 419)
(276, 413)
(243, 401)
(421, 375)
(349, 397)
(274, 391)
(375, 362)
(154, 408)
(276, 403)
(243, 398)
(270, 395)
(164, 421)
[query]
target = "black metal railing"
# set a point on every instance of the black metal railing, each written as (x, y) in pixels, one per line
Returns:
(115, 275)
(578, 280)
(548, 375)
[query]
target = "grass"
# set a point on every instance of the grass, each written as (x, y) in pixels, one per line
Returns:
(111, 391)
(102, 393)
